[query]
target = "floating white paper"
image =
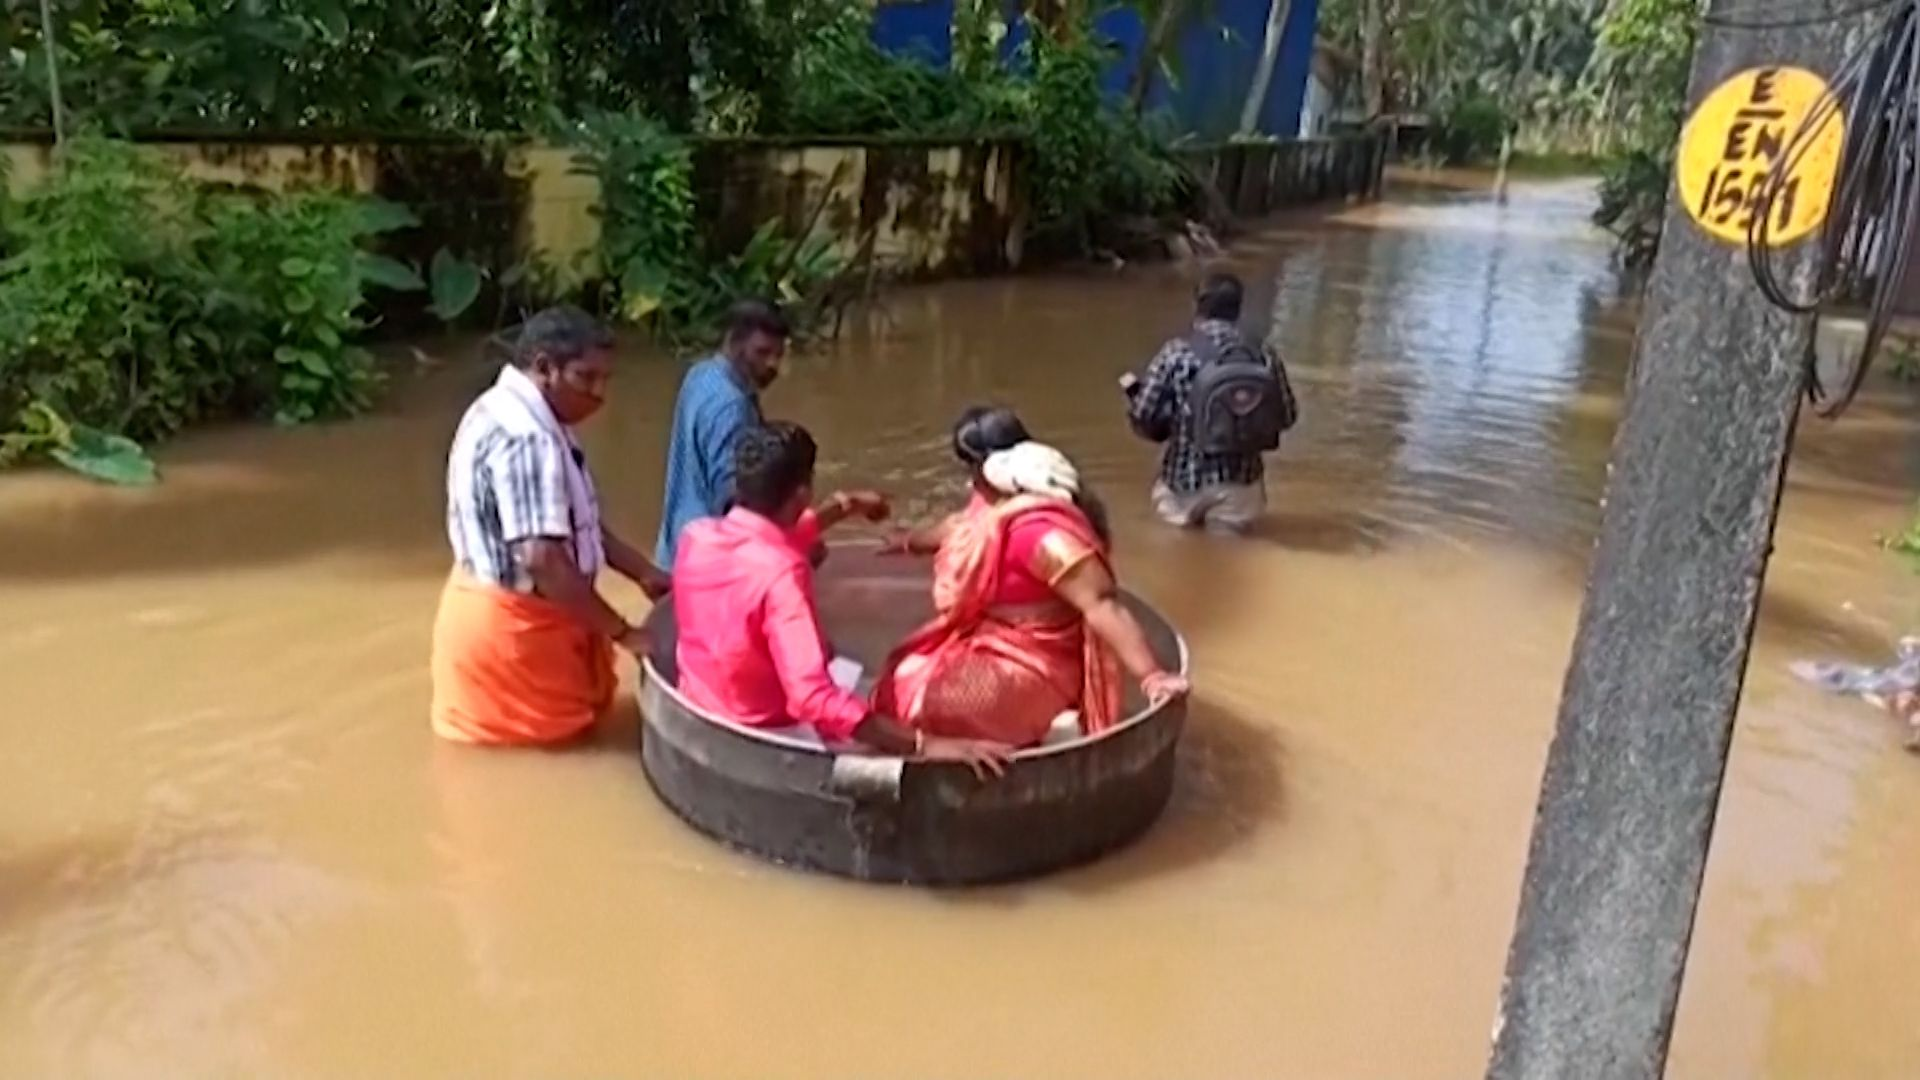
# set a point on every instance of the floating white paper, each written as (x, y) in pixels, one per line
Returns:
(845, 673)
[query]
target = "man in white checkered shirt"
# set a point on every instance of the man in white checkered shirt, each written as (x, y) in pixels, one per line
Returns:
(523, 644)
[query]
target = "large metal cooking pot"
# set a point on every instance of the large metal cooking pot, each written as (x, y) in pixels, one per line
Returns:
(884, 819)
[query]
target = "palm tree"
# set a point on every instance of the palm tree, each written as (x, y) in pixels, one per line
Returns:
(1277, 12)
(1166, 22)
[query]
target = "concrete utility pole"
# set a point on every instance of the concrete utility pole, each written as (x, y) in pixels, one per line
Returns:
(1633, 778)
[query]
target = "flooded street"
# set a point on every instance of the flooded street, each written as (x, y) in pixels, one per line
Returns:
(231, 847)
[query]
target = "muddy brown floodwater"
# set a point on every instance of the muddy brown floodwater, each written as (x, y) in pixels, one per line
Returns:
(229, 846)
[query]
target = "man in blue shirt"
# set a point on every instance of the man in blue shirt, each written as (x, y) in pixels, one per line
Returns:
(719, 399)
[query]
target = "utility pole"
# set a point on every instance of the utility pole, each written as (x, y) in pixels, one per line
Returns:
(1633, 778)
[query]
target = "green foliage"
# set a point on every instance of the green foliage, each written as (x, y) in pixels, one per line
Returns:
(794, 272)
(102, 320)
(264, 64)
(1907, 544)
(456, 285)
(451, 65)
(1089, 161)
(646, 206)
(1633, 203)
(1436, 53)
(138, 303)
(1471, 130)
(1646, 53)
(1617, 69)
(112, 459)
(290, 285)
(653, 268)
(1903, 358)
(843, 84)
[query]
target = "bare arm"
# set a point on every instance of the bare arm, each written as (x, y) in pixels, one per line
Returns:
(799, 651)
(884, 733)
(922, 541)
(1091, 588)
(841, 505)
(555, 577)
(529, 479)
(887, 735)
(1151, 401)
(630, 562)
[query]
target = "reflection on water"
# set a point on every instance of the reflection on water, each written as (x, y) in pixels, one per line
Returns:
(231, 846)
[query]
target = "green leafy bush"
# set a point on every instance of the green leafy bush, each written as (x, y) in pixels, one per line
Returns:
(653, 268)
(1089, 161)
(774, 266)
(137, 303)
(1471, 130)
(1633, 203)
(645, 209)
(291, 282)
(841, 83)
(113, 459)
(104, 307)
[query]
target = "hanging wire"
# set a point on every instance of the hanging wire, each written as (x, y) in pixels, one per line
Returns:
(1807, 15)
(1873, 218)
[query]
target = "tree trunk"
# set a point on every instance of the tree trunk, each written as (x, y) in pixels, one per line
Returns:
(1166, 18)
(1052, 16)
(1373, 75)
(1535, 31)
(1277, 12)
(1601, 137)
(1598, 14)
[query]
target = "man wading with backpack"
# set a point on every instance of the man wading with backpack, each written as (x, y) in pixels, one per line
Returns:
(1219, 402)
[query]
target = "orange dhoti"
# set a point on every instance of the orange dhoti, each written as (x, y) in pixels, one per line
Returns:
(511, 669)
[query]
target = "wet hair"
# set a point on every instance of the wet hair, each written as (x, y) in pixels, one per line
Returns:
(747, 317)
(1095, 508)
(771, 462)
(985, 430)
(560, 335)
(1219, 297)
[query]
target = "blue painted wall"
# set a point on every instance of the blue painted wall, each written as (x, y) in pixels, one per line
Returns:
(1217, 58)
(917, 28)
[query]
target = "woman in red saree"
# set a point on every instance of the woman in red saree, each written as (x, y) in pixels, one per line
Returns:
(1029, 624)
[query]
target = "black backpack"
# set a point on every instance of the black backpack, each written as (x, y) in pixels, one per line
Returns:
(1239, 403)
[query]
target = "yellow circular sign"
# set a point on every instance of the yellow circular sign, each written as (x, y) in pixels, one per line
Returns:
(1737, 137)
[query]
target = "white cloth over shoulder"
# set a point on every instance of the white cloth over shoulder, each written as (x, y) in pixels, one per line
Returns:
(1032, 468)
(517, 405)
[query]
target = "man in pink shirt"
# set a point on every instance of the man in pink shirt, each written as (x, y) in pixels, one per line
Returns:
(750, 647)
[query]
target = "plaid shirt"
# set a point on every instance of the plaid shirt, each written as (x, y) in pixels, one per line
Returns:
(1162, 395)
(503, 488)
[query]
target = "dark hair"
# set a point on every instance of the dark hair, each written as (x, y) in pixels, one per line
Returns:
(757, 317)
(1095, 508)
(1219, 297)
(983, 430)
(560, 335)
(771, 462)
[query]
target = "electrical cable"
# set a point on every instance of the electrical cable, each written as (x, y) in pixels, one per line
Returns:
(1812, 16)
(1873, 217)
